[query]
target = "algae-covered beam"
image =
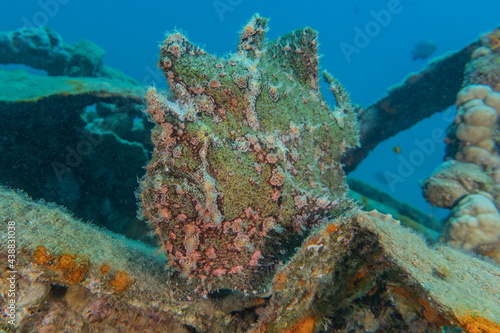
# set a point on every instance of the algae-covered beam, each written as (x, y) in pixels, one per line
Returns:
(346, 273)
(20, 89)
(419, 96)
(72, 275)
(373, 198)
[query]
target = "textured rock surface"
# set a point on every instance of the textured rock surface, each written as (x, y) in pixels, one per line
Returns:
(474, 223)
(470, 180)
(42, 48)
(452, 181)
(247, 157)
(484, 67)
(84, 277)
(383, 264)
(79, 142)
(360, 272)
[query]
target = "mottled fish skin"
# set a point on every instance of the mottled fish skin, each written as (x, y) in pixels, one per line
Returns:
(246, 158)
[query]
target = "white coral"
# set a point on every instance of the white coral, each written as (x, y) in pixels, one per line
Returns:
(474, 222)
(477, 118)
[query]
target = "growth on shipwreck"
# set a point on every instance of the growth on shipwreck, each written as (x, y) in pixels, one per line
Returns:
(246, 192)
(468, 182)
(246, 158)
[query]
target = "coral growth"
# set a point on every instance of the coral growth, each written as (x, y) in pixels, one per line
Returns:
(247, 156)
(470, 181)
(70, 270)
(343, 276)
(246, 192)
(120, 282)
(81, 149)
(42, 48)
(452, 180)
(474, 222)
(484, 67)
(476, 122)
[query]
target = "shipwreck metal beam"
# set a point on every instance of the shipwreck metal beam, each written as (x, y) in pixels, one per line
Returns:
(419, 96)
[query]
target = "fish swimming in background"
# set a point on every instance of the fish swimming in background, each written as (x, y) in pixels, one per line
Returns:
(381, 177)
(396, 149)
(494, 40)
(357, 8)
(423, 50)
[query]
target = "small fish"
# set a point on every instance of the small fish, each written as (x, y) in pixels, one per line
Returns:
(494, 41)
(396, 149)
(382, 178)
(423, 50)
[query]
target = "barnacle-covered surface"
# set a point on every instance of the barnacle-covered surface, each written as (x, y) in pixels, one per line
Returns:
(247, 156)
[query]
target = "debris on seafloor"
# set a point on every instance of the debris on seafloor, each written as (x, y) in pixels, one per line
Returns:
(330, 266)
(468, 182)
(423, 50)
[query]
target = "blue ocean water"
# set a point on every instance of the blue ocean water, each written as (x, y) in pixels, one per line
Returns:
(130, 32)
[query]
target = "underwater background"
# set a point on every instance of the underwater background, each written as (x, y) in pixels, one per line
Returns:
(217, 202)
(130, 33)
